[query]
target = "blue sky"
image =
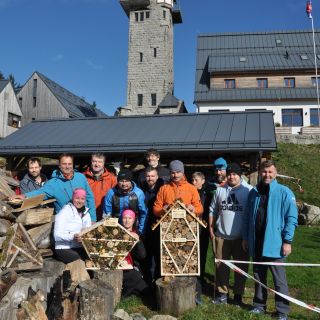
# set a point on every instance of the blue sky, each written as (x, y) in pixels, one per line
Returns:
(82, 44)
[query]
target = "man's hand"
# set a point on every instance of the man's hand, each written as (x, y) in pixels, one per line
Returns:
(286, 249)
(17, 196)
(77, 238)
(245, 245)
(190, 207)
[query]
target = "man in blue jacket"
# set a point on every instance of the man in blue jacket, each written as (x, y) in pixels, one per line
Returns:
(62, 184)
(268, 230)
(126, 195)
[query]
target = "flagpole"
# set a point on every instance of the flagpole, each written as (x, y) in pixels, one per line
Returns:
(316, 67)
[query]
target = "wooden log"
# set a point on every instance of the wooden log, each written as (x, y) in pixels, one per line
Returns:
(36, 216)
(5, 188)
(78, 272)
(6, 211)
(40, 233)
(32, 308)
(112, 278)
(96, 300)
(176, 296)
(4, 226)
(7, 279)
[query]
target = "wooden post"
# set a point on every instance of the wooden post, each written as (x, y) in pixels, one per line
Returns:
(96, 300)
(176, 296)
(112, 278)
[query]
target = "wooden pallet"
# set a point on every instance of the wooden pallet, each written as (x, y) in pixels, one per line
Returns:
(107, 243)
(179, 241)
(19, 251)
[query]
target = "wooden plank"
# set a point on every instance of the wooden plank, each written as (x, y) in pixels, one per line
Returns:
(5, 188)
(37, 234)
(29, 203)
(36, 216)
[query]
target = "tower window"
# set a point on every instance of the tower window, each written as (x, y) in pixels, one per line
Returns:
(153, 99)
(155, 52)
(141, 16)
(147, 14)
(141, 56)
(164, 14)
(34, 102)
(137, 16)
(140, 100)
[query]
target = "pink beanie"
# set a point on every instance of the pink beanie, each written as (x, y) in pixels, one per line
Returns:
(129, 212)
(79, 192)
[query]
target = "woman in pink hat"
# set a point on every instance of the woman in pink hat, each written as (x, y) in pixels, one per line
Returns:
(70, 220)
(133, 282)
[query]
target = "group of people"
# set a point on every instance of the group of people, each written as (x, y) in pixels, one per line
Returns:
(243, 221)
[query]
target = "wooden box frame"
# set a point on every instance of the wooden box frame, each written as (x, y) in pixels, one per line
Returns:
(100, 258)
(179, 253)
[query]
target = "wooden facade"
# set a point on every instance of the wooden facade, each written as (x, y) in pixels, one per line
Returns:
(10, 113)
(38, 102)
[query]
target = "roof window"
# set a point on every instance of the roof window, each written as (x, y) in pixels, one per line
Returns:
(278, 43)
(243, 59)
(304, 57)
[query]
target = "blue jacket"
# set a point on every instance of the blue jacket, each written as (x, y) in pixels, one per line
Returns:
(281, 219)
(115, 202)
(61, 189)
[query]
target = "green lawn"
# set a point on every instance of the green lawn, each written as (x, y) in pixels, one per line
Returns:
(304, 285)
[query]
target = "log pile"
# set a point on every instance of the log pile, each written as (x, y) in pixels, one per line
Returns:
(25, 229)
(107, 243)
(179, 235)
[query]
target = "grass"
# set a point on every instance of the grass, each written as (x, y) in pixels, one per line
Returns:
(303, 283)
(300, 161)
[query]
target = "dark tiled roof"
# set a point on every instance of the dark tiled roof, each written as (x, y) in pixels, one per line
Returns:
(75, 106)
(203, 132)
(169, 101)
(247, 94)
(277, 50)
(3, 84)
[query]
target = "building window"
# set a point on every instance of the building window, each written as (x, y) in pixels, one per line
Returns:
(141, 56)
(141, 16)
(313, 81)
(229, 83)
(155, 52)
(147, 14)
(164, 14)
(13, 120)
(292, 118)
(136, 14)
(34, 102)
(35, 83)
(262, 82)
(290, 82)
(153, 99)
(140, 100)
(314, 116)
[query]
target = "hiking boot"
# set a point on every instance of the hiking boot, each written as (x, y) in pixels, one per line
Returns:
(220, 299)
(257, 310)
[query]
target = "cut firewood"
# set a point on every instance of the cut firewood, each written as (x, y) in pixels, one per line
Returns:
(4, 226)
(31, 202)
(32, 308)
(6, 211)
(5, 188)
(35, 216)
(78, 272)
(7, 279)
(40, 233)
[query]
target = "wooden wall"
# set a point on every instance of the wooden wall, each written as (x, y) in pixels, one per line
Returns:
(47, 105)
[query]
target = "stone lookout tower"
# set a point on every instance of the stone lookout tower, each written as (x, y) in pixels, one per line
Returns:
(150, 59)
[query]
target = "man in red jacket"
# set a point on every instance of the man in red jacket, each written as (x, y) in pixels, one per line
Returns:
(100, 180)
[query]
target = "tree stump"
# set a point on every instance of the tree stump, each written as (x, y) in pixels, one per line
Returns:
(96, 300)
(112, 278)
(176, 296)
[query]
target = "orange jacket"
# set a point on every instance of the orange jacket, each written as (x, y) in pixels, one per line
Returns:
(100, 187)
(184, 191)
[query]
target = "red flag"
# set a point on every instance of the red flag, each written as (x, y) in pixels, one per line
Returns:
(309, 9)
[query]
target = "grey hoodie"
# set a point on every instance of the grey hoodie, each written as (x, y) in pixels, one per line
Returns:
(28, 184)
(228, 206)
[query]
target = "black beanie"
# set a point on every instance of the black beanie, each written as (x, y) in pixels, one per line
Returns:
(125, 174)
(234, 168)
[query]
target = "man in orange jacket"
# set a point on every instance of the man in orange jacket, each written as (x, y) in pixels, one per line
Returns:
(100, 180)
(177, 188)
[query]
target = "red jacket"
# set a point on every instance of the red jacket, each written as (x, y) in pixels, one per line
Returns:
(100, 187)
(184, 191)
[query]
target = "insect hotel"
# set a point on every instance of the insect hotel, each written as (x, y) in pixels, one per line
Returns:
(107, 243)
(179, 236)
